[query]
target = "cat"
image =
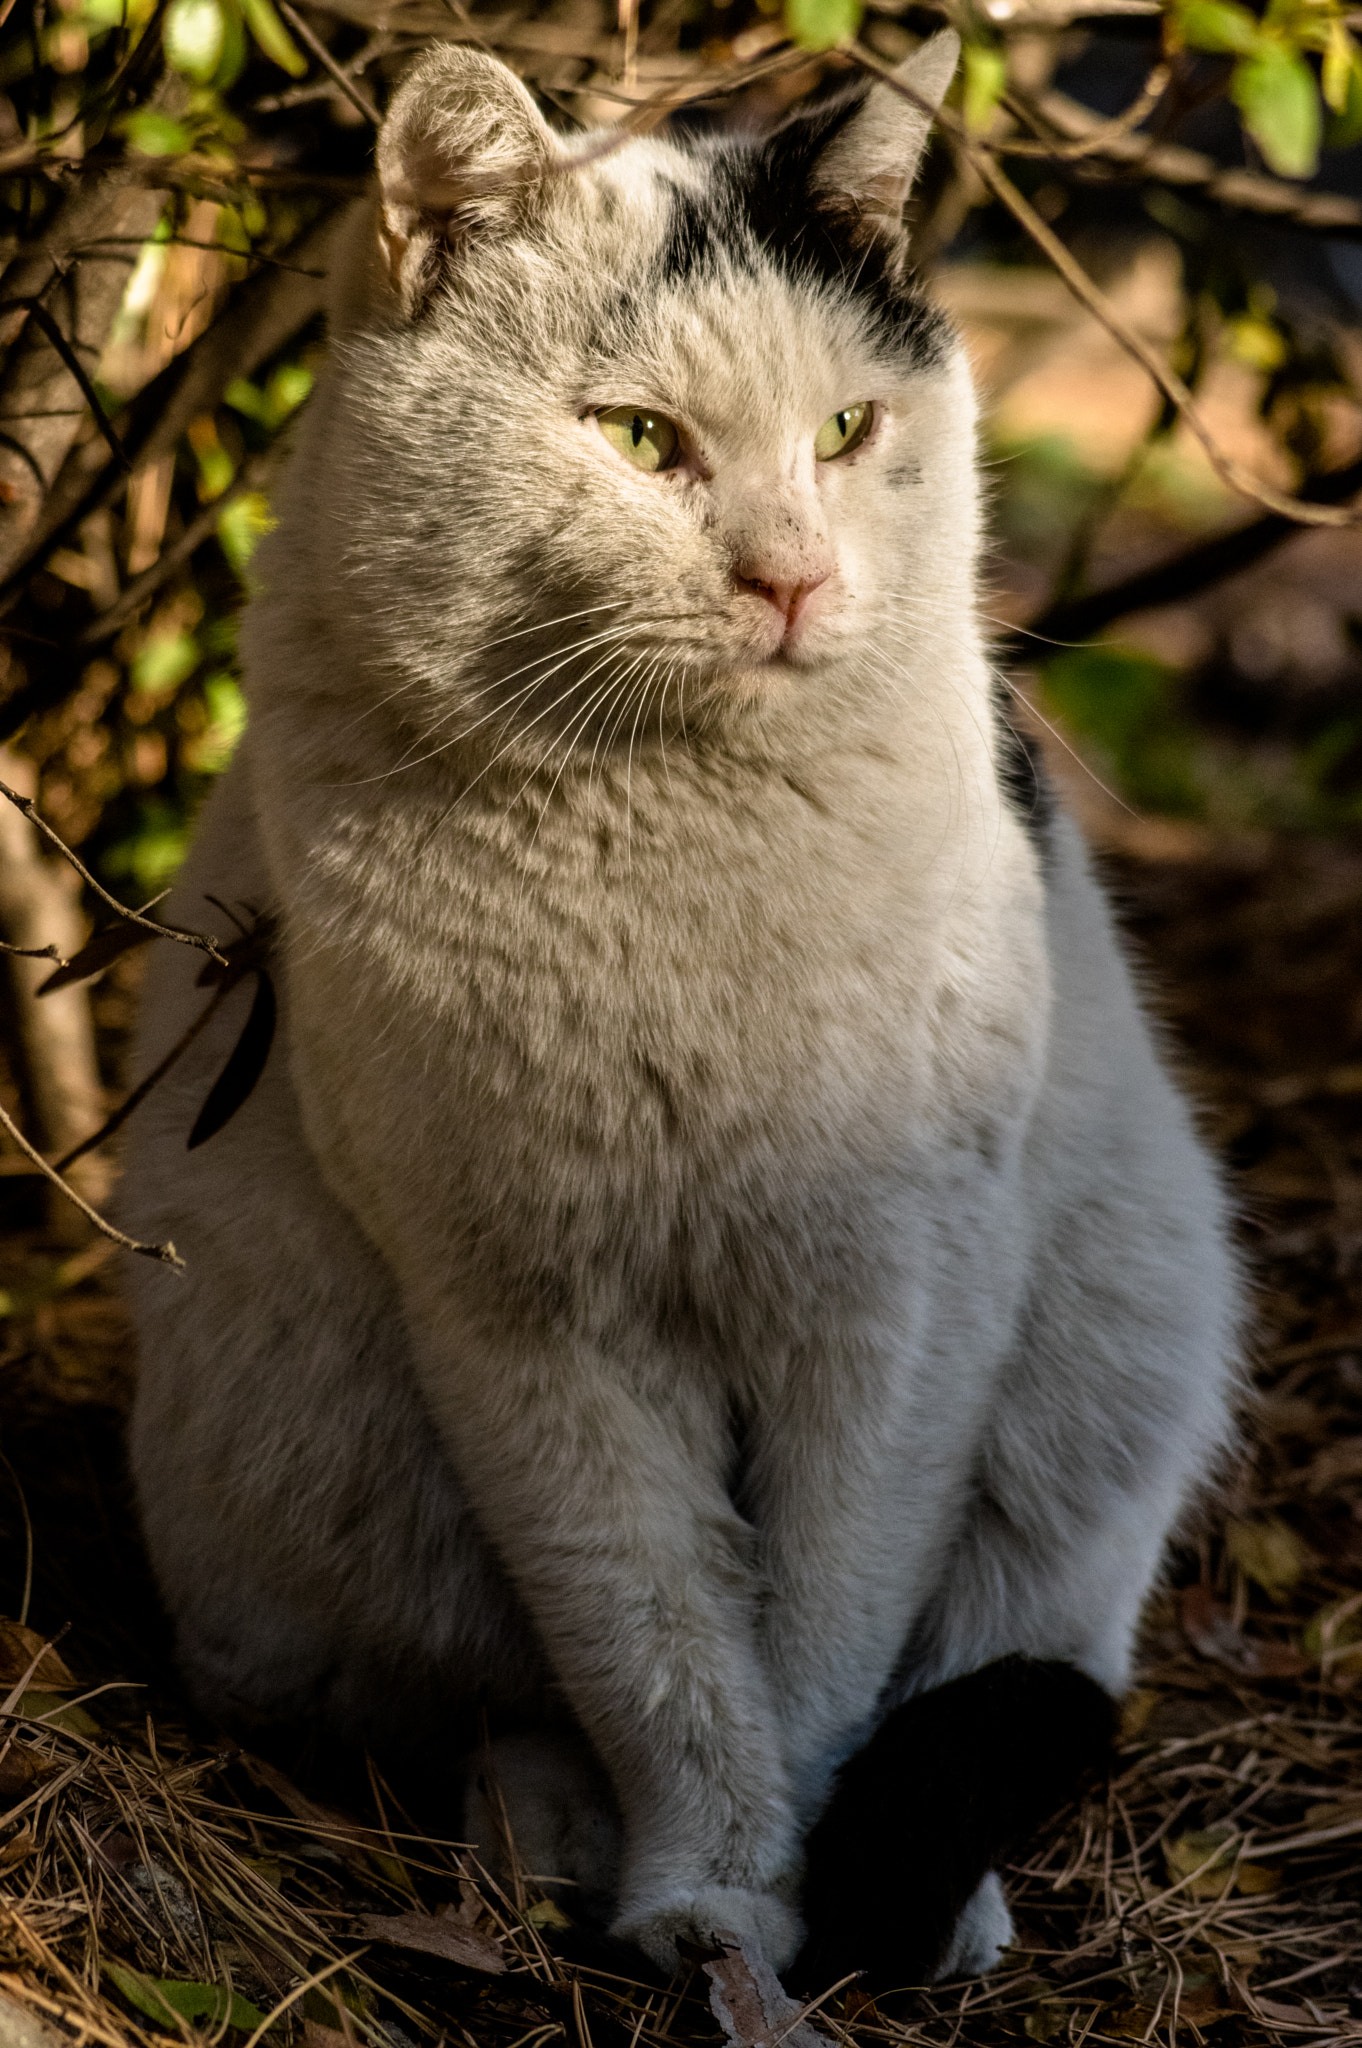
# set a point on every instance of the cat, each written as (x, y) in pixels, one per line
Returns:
(715, 1251)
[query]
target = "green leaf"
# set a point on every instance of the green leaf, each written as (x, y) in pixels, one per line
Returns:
(156, 134)
(1346, 126)
(1276, 94)
(163, 662)
(1219, 25)
(47, 1707)
(241, 525)
(1337, 67)
(168, 2000)
(273, 38)
(194, 35)
(819, 24)
(985, 76)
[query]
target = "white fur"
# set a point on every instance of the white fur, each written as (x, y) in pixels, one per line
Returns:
(714, 1249)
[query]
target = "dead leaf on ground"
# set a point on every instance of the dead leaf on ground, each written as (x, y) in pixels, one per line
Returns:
(443, 1934)
(1206, 1856)
(1211, 1631)
(17, 1848)
(1136, 1709)
(21, 2028)
(1269, 1553)
(546, 1913)
(19, 1769)
(751, 2005)
(18, 1648)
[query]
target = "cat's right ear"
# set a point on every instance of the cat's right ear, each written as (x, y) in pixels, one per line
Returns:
(462, 154)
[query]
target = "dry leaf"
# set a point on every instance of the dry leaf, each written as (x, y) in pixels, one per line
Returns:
(1269, 1553)
(20, 2028)
(315, 2035)
(1207, 1852)
(546, 1913)
(18, 1648)
(1334, 1633)
(1247, 1954)
(750, 2004)
(18, 1770)
(17, 1848)
(1210, 1853)
(1210, 1630)
(1136, 1709)
(441, 1935)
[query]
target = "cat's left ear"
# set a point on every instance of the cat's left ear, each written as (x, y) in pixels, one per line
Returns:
(868, 167)
(462, 157)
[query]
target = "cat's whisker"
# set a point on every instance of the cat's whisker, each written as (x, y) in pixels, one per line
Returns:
(484, 647)
(567, 740)
(502, 751)
(538, 675)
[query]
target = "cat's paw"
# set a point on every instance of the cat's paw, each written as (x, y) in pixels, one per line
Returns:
(982, 1932)
(709, 1916)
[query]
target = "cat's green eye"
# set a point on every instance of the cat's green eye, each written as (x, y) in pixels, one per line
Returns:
(644, 438)
(843, 432)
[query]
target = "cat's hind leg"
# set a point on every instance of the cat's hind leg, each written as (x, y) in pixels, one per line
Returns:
(540, 1805)
(308, 1534)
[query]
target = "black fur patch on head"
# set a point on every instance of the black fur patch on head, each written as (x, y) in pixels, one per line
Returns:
(951, 1781)
(759, 204)
(1021, 771)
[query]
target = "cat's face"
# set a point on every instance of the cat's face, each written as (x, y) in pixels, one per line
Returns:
(669, 420)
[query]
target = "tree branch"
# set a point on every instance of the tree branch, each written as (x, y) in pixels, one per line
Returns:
(1079, 618)
(1090, 294)
(199, 940)
(166, 1253)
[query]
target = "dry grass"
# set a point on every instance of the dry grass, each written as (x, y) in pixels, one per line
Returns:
(1211, 1891)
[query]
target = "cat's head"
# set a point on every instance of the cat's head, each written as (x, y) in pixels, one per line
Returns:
(665, 411)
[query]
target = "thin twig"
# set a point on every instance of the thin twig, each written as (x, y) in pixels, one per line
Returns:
(32, 952)
(166, 1253)
(1089, 294)
(358, 99)
(38, 313)
(199, 940)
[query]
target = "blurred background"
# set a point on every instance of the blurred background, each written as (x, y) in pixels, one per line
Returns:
(1146, 216)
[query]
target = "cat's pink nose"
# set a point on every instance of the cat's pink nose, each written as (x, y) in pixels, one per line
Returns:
(789, 599)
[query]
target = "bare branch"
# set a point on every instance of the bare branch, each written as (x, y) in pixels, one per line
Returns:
(1078, 618)
(166, 1253)
(1089, 294)
(1087, 138)
(358, 99)
(199, 940)
(40, 317)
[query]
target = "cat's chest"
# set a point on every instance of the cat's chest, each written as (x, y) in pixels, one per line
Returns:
(696, 974)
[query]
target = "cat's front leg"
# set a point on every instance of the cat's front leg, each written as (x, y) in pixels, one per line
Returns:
(600, 1486)
(860, 1465)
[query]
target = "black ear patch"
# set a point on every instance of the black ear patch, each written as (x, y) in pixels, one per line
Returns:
(760, 206)
(946, 1786)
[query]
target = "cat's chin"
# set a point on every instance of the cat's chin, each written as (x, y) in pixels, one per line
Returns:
(761, 680)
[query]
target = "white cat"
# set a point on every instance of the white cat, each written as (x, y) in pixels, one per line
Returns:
(714, 1250)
